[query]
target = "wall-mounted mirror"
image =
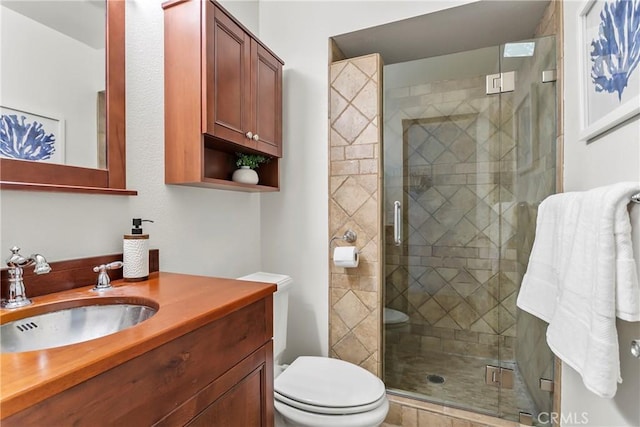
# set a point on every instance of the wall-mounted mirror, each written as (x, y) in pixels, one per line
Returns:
(62, 110)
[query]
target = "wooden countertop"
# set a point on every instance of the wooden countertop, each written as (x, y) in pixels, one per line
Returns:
(185, 303)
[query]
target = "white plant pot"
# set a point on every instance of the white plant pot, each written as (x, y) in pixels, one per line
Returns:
(245, 175)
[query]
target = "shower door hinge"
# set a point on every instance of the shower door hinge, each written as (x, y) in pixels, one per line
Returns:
(525, 419)
(502, 82)
(499, 377)
(549, 76)
(546, 385)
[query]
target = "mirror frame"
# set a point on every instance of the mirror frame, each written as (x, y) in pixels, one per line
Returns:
(26, 175)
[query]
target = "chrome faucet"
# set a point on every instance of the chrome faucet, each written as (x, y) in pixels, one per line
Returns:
(16, 262)
(104, 282)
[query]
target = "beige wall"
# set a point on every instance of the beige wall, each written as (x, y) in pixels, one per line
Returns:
(355, 188)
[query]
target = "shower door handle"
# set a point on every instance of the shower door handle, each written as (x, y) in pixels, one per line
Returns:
(397, 223)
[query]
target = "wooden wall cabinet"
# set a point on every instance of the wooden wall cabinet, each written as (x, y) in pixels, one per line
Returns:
(223, 94)
(220, 374)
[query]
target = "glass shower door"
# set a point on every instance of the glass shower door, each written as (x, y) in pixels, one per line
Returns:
(463, 172)
(529, 135)
(442, 163)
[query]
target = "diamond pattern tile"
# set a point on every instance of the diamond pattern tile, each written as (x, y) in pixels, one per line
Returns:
(431, 230)
(430, 150)
(448, 298)
(482, 301)
(430, 200)
(417, 295)
(350, 81)
(338, 103)
(463, 147)
(464, 315)
(351, 310)
(351, 349)
(447, 323)
(366, 100)
(350, 124)
(448, 215)
(431, 311)
(350, 196)
(465, 284)
(460, 235)
(431, 281)
(367, 216)
(354, 330)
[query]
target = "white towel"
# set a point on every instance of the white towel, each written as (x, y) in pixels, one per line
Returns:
(581, 275)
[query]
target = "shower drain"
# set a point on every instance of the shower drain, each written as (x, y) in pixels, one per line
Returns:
(435, 379)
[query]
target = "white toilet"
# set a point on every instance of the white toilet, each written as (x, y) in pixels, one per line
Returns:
(319, 391)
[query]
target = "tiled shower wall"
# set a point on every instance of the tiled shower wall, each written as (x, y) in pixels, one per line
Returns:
(355, 187)
(455, 181)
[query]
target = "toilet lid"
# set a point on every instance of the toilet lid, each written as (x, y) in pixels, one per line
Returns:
(329, 383)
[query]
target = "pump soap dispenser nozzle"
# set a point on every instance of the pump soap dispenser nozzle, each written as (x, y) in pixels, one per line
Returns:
(135, 253)
(137, 225)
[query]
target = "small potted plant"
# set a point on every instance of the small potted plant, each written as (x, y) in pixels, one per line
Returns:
(247, 163)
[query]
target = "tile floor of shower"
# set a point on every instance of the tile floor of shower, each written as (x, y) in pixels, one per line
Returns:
(464, 387)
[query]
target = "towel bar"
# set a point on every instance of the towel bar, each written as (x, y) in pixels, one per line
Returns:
(635, 198)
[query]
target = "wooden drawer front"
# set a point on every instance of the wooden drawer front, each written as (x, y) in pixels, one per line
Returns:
(241, 397)
(145, 389)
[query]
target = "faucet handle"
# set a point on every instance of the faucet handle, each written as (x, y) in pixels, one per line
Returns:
(15, 258)
(114, 265)
(104, 282)
(42, 266)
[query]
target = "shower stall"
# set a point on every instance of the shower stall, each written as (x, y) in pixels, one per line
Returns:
(468, 153)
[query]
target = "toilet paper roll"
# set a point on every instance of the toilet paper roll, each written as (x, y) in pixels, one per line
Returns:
(346, 256)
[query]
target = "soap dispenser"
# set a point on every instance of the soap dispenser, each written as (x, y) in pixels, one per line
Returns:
(135, 253)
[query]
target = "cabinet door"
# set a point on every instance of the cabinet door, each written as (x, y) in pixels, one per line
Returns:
(226, 86)
(241, 397)
(240, 406)
(266, 89)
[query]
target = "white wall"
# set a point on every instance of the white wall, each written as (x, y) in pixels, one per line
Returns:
(294, 226)
(246, 11)
(612, 158)
(48, 73)
(198, 231)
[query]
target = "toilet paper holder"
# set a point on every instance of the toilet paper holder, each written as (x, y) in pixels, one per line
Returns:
(349, 236)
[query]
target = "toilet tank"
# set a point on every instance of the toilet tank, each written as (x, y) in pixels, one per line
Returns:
(280, 309)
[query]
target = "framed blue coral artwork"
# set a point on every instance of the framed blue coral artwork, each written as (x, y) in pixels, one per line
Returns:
(610, 64)
(29, 136)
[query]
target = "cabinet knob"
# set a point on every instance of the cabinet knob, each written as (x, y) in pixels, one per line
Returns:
(256, 137)
(249, 135)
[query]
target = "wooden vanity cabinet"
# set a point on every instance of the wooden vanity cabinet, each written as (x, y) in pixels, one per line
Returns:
(223, 94)
(220, 374)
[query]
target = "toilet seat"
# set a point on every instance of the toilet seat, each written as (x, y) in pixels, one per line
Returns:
(329, 386)
(328, 410)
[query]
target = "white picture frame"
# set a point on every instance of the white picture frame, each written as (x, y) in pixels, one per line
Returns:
(601, 109)
(50, 128)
